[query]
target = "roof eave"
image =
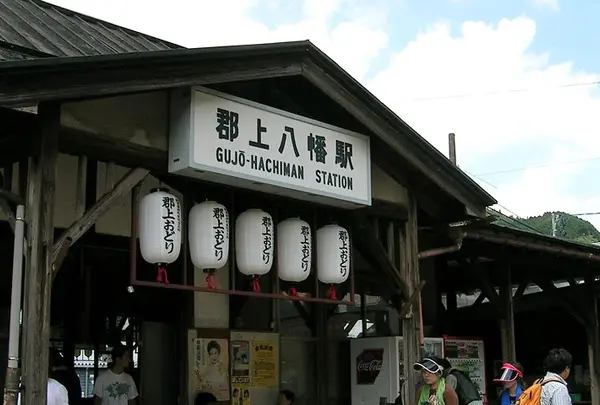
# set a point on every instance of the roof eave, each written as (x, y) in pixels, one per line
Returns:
(291, 58)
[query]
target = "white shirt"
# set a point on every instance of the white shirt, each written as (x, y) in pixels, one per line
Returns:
(115, 389)
(555, 392)
(56, 393)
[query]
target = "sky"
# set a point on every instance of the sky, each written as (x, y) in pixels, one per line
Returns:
(513, 79)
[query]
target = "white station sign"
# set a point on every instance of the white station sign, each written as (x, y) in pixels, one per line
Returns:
(222, 138)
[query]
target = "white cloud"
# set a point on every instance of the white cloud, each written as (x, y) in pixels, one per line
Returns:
(481, 58)
(353, 42)
(551, 4)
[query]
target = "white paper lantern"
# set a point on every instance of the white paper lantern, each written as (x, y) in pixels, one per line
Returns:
(209, 235)
(294, 250)
(333, 254)
(254, 244)
(160, 227)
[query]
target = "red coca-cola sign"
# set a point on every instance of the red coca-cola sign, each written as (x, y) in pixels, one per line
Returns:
(368, 366)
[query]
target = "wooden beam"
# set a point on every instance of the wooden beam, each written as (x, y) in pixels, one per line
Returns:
(38, 281)
(80, 200)
(507, 322)
(408, 262)
(76, 84)
(80, 227)
(123, 153)
(593, 337)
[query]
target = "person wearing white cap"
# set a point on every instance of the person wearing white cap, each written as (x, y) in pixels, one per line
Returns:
(435, 391)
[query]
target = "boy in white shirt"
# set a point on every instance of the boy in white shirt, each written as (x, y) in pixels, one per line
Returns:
(115, 386)
(56, 393)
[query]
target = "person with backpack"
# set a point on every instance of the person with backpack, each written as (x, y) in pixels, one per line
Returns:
(466, 390)
(435, 391)
(552, 389)
(511, 377)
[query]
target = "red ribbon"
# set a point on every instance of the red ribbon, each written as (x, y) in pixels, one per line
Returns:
(292, 291)
(162, 275)
(331, 292)
(255, 284)
(211, 281)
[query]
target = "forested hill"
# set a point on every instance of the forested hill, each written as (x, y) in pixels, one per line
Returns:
(568, 226)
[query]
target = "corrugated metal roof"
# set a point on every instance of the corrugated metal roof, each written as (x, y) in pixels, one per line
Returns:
(7, 54)
(56, 31)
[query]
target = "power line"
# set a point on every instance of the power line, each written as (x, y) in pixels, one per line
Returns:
(500, 92)
(518, 220)
(586, 213)
(520, 169)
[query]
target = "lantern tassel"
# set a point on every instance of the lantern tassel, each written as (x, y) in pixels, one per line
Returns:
(211, 280)
(292, 292)
(331, 292)
(255, 284)
(162, 276)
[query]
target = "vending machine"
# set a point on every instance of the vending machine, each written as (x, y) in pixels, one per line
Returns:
(467, 355)
(377, 371)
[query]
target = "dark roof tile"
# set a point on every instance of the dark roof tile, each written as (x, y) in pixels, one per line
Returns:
(48, 29)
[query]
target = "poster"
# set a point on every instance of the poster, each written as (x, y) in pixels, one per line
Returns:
(241, 395)
(468, 356)
(264, 364)
(211, 371)
(240, 364)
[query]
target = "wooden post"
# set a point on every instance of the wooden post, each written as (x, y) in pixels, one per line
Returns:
(409, 270)
(507, 322)
(452, 147)
(38, 278)
(593, 336)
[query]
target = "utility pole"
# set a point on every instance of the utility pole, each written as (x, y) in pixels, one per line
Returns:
(452, 147)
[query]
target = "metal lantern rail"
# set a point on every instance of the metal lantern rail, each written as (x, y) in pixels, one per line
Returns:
(294, 251)
(208, 237)
(254, 244)
(160, 230)
(136, 231)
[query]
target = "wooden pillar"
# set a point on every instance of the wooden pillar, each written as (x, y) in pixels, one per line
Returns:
(507, 322)
(409, 270)
(40, 237)
(593, 337)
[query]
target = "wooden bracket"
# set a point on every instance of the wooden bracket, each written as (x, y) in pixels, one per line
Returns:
(486, 286)
(404, 311)
(91, 216)
(572, 307)
(365, 237)
(10, 216)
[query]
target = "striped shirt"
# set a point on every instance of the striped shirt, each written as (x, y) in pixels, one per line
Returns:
(555, 392)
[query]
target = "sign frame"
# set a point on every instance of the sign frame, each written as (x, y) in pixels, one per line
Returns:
(183, 141)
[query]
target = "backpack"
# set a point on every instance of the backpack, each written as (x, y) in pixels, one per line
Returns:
(466, 390)
(533, 394)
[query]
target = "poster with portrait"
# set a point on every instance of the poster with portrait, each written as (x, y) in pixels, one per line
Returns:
(240, 362)
(241, 394)
(211, 367)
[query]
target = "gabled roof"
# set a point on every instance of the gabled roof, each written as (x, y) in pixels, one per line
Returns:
(34, 28)
(31, 81)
